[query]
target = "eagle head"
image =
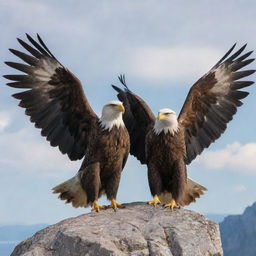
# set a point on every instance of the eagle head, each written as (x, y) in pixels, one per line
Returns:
(112, 115)
(166, 121)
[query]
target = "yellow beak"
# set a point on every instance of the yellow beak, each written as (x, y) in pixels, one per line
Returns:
(160, 116)
(121, 108)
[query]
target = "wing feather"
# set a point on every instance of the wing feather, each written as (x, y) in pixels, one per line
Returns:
(213, 100)
(25, 57)
(55, 100)
(137, 118)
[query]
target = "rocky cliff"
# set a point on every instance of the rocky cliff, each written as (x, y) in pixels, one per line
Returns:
(238, 233)
(137, 230)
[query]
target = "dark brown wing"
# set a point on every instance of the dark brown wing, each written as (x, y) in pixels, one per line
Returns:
(213, 100)
(137, 118)
(55, 100)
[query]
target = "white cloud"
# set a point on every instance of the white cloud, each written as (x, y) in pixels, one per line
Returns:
(24, 152)
(240, 188)
(31, 18)
(176, 63)
(235, 157)
(4, 120)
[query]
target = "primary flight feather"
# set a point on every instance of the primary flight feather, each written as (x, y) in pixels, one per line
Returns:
(56, 103)
(168, 143)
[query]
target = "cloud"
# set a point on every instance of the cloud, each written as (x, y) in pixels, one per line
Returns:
(52, 21)
(174, 64)
(132, 42)
(235, 157)
(25, 153)
(4, 120)
(240, 188)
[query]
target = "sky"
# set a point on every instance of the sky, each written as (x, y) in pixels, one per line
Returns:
(163, 47)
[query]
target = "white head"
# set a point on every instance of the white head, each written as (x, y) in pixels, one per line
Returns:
(112, 115)
(166, 121)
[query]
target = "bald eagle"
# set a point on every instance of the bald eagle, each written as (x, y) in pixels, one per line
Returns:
(168, 143)
(57, 105)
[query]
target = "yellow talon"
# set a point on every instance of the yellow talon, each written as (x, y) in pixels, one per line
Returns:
(155, 201)
(96, 207)
(114, 205)
(172, 205)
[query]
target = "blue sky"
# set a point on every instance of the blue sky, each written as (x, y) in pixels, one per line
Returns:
(163, 47)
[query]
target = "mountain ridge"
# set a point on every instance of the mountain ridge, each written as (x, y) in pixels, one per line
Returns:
(238, 233)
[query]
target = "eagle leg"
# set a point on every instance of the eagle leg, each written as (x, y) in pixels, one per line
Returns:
(96, 207)
(155, 201)
(114, 205)
(172, 205)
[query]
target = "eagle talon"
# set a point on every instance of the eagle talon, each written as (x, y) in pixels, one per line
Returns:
(96, 207)
(155, 201)
(115, 205)
(172, 205)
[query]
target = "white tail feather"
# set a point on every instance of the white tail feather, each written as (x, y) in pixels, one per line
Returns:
(72, 191)
(193, 191)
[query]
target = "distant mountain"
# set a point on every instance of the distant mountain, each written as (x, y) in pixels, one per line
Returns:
(238, 233)
(11, 235)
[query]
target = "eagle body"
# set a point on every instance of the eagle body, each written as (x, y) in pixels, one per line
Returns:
(56, 103)
(167, 143)
(104, 160)
(167, 172)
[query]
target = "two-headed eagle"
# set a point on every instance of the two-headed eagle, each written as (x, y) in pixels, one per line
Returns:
(56, 104)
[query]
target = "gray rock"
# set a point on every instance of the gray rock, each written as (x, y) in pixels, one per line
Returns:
(238, 233)
(137, 230)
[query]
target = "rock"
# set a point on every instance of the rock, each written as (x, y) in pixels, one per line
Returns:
(238, 233)
(137, 230)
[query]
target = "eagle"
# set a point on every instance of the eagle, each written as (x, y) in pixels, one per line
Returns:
(56, 104)
(168, 143)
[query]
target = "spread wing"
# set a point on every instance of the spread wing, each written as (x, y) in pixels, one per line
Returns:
(213, 100)
(137, 118)
(55, 100)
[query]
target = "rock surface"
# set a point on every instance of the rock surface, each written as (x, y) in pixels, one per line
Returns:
(238, 233)
(137, 230)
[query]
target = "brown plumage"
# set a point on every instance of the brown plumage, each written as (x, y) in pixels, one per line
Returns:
(166, 145)
(56, 104)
